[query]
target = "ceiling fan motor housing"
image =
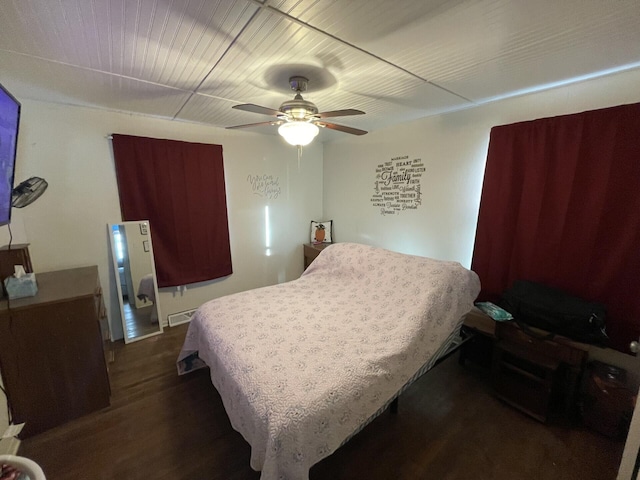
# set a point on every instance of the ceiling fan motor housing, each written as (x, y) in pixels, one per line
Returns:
(299, 108)
(300, 114)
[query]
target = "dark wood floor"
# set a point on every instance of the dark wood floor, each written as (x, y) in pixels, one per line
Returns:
(138, 320)
(449, 426)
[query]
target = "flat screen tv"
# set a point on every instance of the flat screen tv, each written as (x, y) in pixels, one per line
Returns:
(9, 123)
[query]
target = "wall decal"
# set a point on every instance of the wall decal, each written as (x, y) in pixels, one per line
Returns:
(265, 185)
(398, 185)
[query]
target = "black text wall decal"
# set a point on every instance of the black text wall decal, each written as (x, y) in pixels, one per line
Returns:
(398, 185)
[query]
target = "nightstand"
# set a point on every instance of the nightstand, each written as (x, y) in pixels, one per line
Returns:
(482, 328)
(311, 251)
(529, 373)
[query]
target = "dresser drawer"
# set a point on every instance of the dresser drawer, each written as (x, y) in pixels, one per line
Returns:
(564, 352)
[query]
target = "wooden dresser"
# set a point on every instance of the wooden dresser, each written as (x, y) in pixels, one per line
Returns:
(51, 350)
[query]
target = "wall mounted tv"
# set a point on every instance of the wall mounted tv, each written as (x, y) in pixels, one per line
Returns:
(9, 123)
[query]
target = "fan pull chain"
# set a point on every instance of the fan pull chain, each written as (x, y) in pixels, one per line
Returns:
(299, 155)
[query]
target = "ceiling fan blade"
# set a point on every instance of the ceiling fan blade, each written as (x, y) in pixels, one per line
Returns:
(341, 128)
(250, 107)
(340, 113)
(272, 122)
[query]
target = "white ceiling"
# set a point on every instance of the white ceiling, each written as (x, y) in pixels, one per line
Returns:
(192, 60)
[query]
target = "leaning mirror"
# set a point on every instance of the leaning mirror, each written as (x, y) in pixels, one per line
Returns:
(135, 275)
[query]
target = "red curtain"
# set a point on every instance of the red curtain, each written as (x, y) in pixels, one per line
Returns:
(561, 205)
(179, 187)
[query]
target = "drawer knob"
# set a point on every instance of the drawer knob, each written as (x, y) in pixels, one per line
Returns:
(634, 347)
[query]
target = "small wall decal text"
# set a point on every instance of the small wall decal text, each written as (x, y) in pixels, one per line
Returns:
(265, 185)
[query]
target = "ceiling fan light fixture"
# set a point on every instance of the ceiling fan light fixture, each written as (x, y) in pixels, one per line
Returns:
(299, 119)
(298, 133)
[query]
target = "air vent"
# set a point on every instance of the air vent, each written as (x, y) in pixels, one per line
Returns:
(180, 317)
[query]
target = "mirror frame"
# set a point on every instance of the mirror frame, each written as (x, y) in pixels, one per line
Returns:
(114, 256)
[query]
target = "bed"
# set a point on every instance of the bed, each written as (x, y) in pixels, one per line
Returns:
(304, 365)
(146, 290)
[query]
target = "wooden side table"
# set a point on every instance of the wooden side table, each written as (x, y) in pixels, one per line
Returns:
(311, 251)
(529, 372)
(483, 329)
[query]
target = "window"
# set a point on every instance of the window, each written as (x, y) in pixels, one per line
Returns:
(179, 187)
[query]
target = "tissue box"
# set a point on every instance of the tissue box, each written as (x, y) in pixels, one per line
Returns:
(24, 286)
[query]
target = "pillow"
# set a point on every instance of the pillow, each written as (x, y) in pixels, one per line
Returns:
(321, 231)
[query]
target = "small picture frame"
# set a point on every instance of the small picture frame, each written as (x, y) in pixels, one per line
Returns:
(144, 230)
(145, 245)
(321, 231)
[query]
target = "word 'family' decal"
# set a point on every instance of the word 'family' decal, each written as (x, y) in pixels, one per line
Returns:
(398, 185)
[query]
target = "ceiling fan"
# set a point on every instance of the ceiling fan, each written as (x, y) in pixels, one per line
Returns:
(299, 118)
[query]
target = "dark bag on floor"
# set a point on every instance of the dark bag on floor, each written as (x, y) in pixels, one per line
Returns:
(536, 305)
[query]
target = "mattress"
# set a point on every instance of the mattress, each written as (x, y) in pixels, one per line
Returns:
(303, 365)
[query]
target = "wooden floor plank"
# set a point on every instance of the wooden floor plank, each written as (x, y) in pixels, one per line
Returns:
(449, 426)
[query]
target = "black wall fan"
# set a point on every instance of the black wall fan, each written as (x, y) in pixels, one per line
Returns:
(300, 110)
(28, 192)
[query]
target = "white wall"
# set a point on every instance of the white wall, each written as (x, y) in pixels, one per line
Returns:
(453, 147)
(67, 226)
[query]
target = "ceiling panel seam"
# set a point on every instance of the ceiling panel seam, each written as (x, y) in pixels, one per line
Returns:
(224, 54)
(96, 70)
(359, 49)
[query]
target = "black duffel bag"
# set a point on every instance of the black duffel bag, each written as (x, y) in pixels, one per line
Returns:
(536, 305)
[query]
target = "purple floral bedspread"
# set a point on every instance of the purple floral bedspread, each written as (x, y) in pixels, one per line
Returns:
(301, 365)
